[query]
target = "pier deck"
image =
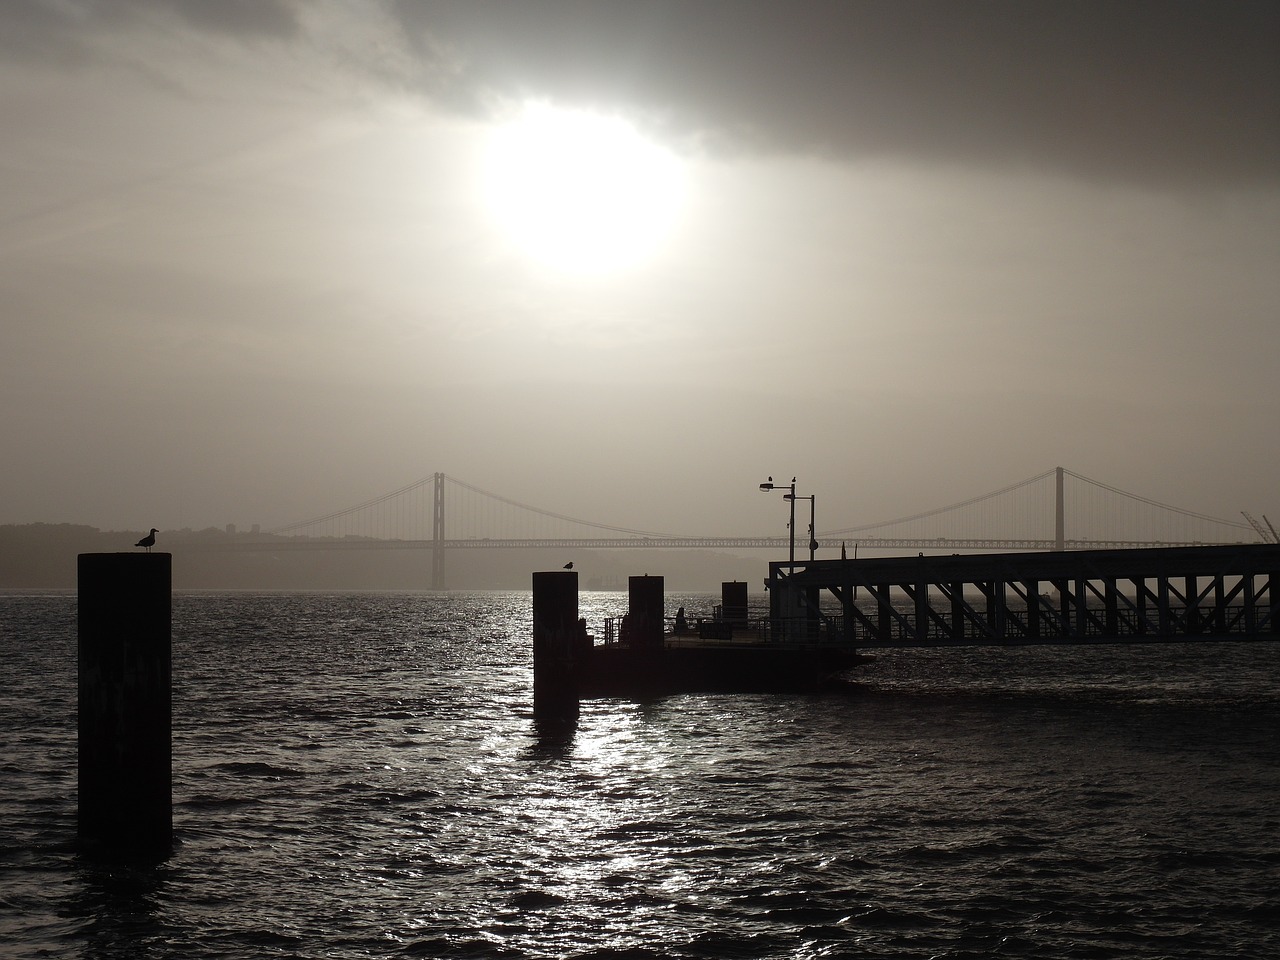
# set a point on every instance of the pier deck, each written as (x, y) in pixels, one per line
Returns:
(1087, 596)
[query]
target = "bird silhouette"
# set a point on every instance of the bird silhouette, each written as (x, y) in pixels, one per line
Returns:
(569, 565)
(148, 541)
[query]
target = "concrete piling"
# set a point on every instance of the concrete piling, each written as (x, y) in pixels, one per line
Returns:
(124, 719)
(733, 602)
(645, 598)
(558, 645)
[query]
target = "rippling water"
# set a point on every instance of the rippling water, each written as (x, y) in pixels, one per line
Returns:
(361, 776)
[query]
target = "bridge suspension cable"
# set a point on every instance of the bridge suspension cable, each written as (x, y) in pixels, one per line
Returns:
(560, 516)
(1022, 512)
(1153, 503)
(972, 501)
(1096, 513)
(367, 504)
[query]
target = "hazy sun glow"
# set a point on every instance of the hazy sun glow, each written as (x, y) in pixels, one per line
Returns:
(581, 192)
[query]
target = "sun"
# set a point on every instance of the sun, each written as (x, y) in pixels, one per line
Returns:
(582, 192)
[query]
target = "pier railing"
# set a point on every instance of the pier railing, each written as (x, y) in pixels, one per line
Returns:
(1091, 624)
(753, 631)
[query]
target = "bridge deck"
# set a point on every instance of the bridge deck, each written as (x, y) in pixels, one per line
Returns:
(1087, 596)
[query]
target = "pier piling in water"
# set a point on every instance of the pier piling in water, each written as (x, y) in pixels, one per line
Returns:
(124, 673)
(558, 645)
(733, 602)
(645, 598)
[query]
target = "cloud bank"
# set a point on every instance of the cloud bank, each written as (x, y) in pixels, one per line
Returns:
(1159, 91)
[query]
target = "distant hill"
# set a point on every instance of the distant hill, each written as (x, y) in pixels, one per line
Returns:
(43, 556)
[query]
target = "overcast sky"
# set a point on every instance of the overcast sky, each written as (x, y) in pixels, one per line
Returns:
(255, 266)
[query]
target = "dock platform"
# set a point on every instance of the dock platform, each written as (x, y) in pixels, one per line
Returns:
(1084, 596)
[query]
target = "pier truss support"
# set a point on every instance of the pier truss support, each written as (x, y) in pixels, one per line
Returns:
(1087, 596)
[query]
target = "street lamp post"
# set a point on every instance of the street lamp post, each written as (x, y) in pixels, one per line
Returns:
(813, 537)
(768, 486)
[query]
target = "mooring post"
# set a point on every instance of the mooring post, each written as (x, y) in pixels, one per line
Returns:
(124, 720)
(645, 598)
(733, 602)
(557, 645)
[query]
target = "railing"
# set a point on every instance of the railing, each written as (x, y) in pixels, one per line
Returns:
(753, 631)
(1053, 626)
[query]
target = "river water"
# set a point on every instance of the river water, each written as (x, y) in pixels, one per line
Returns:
(361, 776)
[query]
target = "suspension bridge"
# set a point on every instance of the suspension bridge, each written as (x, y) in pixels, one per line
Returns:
(1055, 510)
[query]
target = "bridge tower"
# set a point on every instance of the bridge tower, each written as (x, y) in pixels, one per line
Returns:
(437, 532)
(1060, 518)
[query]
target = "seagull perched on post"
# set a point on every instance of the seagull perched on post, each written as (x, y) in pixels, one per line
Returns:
(148, 541)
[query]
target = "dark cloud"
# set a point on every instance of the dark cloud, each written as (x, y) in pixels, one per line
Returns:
(253, 18)
(62, 30)
(1138, 91)
(1132, 90)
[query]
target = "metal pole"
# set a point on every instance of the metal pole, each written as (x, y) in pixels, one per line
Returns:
(813, 536)
(768, 486)
(792, 498)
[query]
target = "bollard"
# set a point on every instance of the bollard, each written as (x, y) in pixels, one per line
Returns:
(124, 721)
(645, 598)
(557, 647)
(733, 602)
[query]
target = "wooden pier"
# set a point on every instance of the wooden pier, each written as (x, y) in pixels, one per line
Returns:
(1087, 596)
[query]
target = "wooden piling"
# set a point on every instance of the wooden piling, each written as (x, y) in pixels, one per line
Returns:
(733, 602)
(124, 720)
(645, 599)
(558, 648)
